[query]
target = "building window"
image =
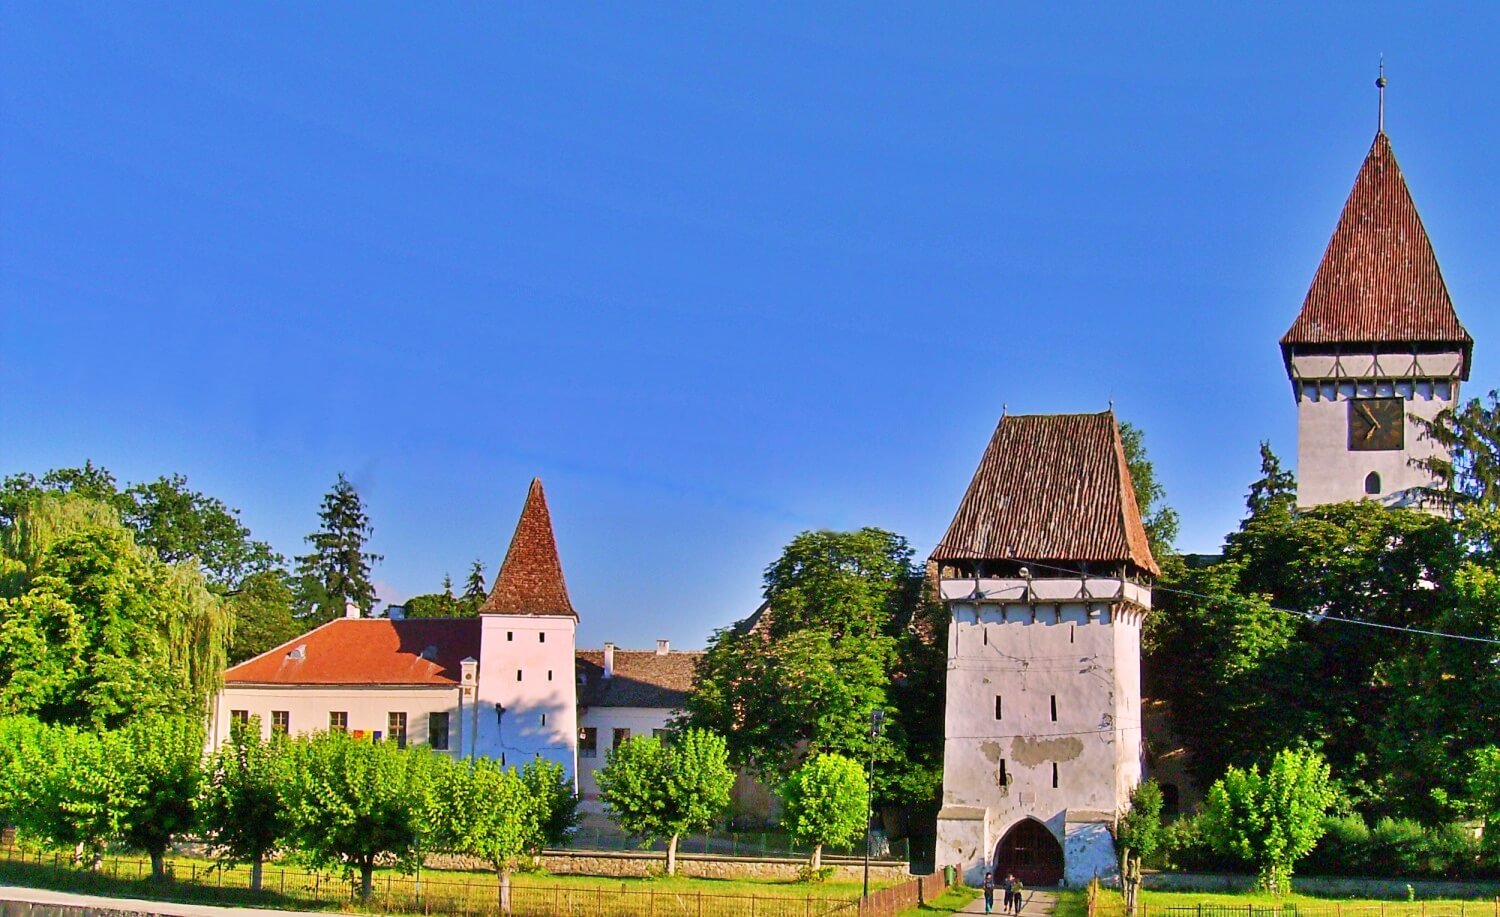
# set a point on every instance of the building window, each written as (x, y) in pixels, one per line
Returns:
(338, 721)
(1054, 708)
(437, 731)
(510, 635)
(549, 674)
(396, 728)
(1004, 777)
(997, 706)
(239, 716)
(1054, 775)
(281, 722)
(621, 736)
(541, 637)
(588, 742)
(518, 674)
(1372, 483)
(544, 719)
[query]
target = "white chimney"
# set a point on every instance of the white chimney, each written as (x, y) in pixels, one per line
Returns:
(609, 660)
(662, 647)
(351, 610)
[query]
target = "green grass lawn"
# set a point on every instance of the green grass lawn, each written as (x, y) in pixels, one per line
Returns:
(951, 901)
(1071, 903)
(449, 891)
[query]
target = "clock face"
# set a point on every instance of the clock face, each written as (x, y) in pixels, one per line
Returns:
(1377, 424)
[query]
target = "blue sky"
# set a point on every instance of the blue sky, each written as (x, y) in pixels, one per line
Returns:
(717, 274)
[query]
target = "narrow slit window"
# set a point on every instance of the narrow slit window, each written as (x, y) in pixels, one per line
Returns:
(549, 674)
(541, 637)
(1054, 708)
(1054, 775)
(544, 719)
(1004, 778)
(986, 635)
(510, 635)
(1072, 629)
(518, 678)
(998, 707)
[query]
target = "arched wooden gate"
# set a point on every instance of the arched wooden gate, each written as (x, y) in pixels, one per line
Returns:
(1029, 852)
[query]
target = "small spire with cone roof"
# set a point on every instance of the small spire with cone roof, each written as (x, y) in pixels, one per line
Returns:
(531, 578)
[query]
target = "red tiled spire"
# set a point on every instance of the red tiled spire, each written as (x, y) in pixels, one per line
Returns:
(531, 579)
(1379, 280)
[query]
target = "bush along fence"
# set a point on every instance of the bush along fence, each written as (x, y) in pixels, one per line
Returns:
(445, 894)
(889, 902)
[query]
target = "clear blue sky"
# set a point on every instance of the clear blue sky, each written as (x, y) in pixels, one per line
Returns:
(716, 274)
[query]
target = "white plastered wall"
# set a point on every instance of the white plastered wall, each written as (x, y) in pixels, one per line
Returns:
(368, 708)
(1084, 654)
(527, 666)
(639, 720)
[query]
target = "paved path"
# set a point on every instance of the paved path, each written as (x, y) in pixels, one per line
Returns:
(141, 905)
(1033, 903)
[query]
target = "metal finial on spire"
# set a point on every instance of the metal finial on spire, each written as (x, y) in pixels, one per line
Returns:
(1380, 85)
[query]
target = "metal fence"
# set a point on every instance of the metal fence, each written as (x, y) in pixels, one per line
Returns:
(1475, 908)
(471, 896)
(766, 844)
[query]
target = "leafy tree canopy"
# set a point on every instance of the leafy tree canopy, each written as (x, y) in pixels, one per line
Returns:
(826, 802)
(263, 619)
(241, 811)
(1273, 820)
(1161, 521)
(658, 791)
(336, 573)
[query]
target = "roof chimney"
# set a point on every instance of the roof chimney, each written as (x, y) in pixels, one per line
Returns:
(663, 647)
(351, 610)
(609, 660)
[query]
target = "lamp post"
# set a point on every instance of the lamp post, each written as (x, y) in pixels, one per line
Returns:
(877, 719)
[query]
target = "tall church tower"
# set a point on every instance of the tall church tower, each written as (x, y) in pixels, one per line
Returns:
(1376, 342)
(1046, 572)
(527, 702)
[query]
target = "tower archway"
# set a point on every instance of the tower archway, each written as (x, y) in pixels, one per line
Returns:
(1029, 852)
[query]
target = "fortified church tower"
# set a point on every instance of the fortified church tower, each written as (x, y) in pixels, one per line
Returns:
(1377, 340)
(1046, 572)
(527, 696)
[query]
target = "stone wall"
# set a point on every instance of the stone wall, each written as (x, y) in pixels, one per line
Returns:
(633, 864)
(28, 909)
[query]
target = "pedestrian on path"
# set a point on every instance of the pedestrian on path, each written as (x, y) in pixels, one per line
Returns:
(1016, 895)
(989, 890)
(1010, 890)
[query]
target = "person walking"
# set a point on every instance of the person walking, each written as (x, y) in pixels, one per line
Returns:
(1016, 895)
(1010, 888)
(989, 891)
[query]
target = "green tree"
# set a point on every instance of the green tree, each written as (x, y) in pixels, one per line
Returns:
(656, 791)
(555, 802)
(492, 816)
(1466, 468)
(1482, 791)
(20, 738)
(336, 572)
(1138, 834)
(351, 803)
(241, 809)
(184, 525)
(1272, 821)
(1161, 521)
(826, 802)
(262, 610)
(1274, 494)
(847, 627)
(95, 630)
(474, 591)
(90, 482)
(69, 791)
(159, 761)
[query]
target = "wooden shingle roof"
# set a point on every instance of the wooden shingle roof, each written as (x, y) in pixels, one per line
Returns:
(1050, 487)
(1379, 281)
(531, 578)
(641, 679)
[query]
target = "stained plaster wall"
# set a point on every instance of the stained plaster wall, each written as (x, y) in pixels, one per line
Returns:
(1084, 654)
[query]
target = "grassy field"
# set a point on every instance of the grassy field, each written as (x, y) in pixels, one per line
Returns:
(952, 901)
(1208, 904)
(445, 892)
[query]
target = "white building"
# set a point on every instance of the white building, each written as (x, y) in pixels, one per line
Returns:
(504, 685)
(1046, 572)
(1377, 341)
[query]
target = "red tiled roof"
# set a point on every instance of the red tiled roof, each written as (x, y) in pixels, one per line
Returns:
(531, 579)
(367, 651)
(641, 679)
(1379, 279)
(1050, 487)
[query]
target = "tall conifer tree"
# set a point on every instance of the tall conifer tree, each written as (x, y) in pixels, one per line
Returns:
(337, 572)
(474, 585)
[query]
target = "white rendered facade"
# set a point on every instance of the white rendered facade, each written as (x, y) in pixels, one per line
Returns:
(1043, 716)
(604, 721)
(363, 709)
(1330, 469)
(527, 693)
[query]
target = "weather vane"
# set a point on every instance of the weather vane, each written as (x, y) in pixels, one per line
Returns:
(1380, 85)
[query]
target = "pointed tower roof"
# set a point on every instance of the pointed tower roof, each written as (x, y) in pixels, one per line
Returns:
(1051, 487)
(1379, 280)
(531, 579)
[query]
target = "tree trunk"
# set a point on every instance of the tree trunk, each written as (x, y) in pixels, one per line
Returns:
(817, 862)
(672, 857)
(366, 881)
(505, 891)
(255, 871)
(158, 864)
